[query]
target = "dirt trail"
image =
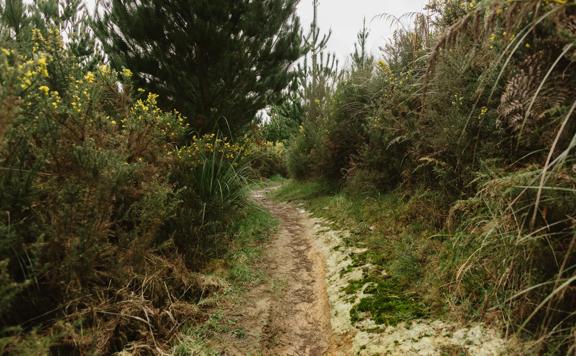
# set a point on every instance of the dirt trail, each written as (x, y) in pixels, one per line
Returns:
(301, 309)
(291, 314)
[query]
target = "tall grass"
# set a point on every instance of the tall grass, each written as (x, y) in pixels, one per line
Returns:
(475, 103)
(211, 183)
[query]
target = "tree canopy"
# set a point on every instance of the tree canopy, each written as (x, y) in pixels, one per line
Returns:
(216, 61)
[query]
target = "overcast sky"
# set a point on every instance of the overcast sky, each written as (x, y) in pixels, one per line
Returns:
(344, 17)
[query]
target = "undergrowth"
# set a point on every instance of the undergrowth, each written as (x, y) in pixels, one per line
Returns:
(403, 285)
(239, 268)
(453, 158)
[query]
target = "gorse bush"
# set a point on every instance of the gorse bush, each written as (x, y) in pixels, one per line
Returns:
(82, 188)
(103, 214)
(475, 103)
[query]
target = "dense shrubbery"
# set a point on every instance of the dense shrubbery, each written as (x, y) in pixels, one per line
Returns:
(103, 214)
(476, 104)
(267, 159)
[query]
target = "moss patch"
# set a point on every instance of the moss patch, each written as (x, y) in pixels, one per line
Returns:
(386, 304)
(395, 230)
(385, 301)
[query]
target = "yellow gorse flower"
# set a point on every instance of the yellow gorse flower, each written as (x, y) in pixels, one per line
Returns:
(89, 77)
(127, 73)
(141, 106)
(104, 69)
(55, 97)
(152, 99)
(42, 63)
(44, 89)
(208, 145)
(557, 2)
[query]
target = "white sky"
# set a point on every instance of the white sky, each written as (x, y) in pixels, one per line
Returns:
(345, 17)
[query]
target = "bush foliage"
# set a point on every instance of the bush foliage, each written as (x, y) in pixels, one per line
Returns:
(474, 102)
(104, 214)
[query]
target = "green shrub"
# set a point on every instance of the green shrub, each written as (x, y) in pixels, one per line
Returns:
(345, 124)
(103, 214)
(303, 150)
(268, 159)
(209, 180)
(383, 161)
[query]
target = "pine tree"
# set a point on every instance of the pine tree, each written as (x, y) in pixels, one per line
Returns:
(216, 61)
(319, 70)
(13, 19)
(361, 58)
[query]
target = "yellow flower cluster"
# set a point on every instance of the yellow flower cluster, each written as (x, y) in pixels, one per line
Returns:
(90, 77)
(104, 69)
(37, 38)
(179, 117)
(384, 67)
(55, 38)
(150, 104)
(141, 106)
(127, 73)
(55, 99)
(208, 145)
(556, 2)
(468, 5)
(76, 103)
(394, 78)
(31, 69)
(276, 148)
(44, 89)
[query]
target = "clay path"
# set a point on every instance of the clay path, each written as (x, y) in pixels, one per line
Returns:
(289, 313)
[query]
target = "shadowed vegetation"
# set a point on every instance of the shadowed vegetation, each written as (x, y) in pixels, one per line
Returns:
(452, 158)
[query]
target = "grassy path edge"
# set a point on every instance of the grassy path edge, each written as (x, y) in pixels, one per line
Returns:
(360, 292)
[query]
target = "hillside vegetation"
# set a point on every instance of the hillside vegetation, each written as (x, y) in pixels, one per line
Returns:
(129, 140)
(452, 157)
(111, 203)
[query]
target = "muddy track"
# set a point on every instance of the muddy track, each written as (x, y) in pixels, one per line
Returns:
(289, 314)
(299, 318)
(300, 309)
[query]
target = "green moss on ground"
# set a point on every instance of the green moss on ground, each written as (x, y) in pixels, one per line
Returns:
(405, 278)
(387, 303)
